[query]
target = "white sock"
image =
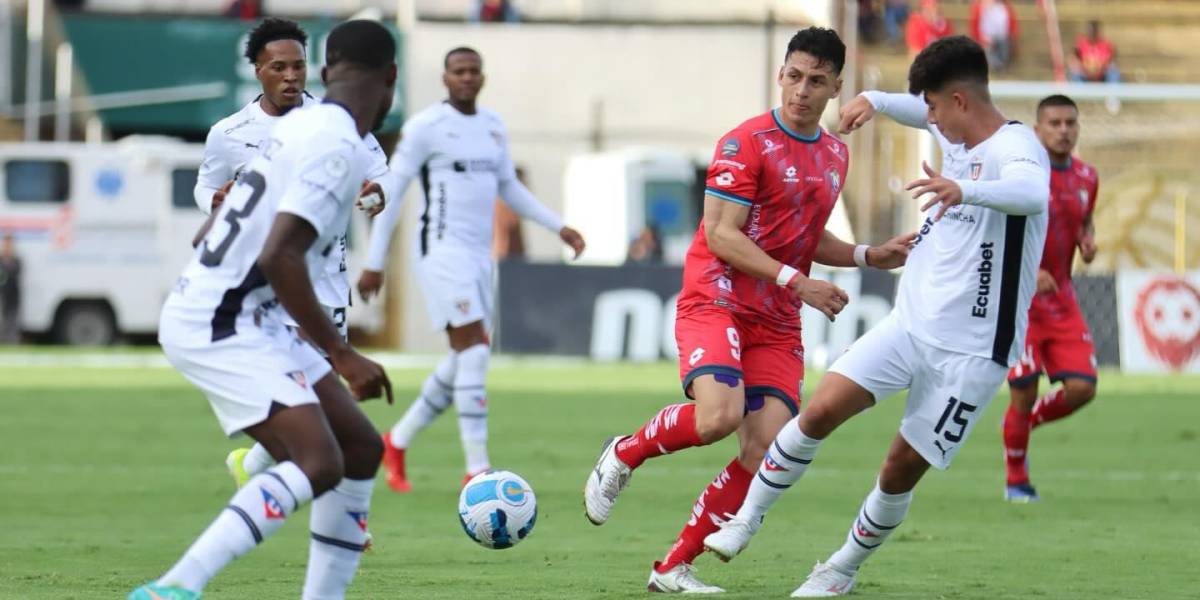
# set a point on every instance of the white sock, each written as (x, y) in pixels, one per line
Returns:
(470, 400)
(339, 533)
(257, 460)
(434, 400)
(255, 512)
(880, 514)
(786, 461)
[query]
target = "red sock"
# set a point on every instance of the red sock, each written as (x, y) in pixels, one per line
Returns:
(723, 496)
(673, 428)
(1016, 444)
(1051, 407)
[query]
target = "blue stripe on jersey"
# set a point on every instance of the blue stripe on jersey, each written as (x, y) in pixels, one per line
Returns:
(787, 130)
(727, 196)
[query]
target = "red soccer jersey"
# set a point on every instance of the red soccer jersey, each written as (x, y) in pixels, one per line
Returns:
(790, 184)
(1072, 197)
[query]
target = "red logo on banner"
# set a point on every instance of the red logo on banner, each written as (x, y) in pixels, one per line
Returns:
(1167, 312)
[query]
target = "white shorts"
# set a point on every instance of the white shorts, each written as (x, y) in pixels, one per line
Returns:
(458, 291)
(247, 374)
(947, 391)
(337, 314)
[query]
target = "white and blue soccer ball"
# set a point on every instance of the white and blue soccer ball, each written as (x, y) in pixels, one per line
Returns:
(497, 509)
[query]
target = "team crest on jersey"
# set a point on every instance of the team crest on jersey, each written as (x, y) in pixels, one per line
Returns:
(336, 166)
(835, 181)
(299, 378)
(976, 169)
(730, 147)
(464, 306)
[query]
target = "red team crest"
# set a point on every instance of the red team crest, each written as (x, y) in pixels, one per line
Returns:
(272, 509)
(1167, 313)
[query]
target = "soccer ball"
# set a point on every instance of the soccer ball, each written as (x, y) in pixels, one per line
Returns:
(497, 509)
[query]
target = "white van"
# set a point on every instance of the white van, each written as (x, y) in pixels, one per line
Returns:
(103, 231)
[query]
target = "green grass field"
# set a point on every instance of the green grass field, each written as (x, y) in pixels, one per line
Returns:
(106, 475)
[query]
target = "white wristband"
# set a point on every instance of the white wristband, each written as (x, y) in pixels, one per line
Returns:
(786, 275)
(860, 255)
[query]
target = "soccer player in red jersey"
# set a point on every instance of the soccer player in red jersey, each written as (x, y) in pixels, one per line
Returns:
(1058, 341)
(771, 186)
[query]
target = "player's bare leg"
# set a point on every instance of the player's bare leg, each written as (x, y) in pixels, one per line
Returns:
(880, 515)
(310, 464)
(338, 519)
(722, 498)
(1016, 430)
(716, 413)
(836, 400)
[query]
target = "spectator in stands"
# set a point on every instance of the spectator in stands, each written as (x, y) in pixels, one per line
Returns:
(994, 26)
(895, 15)
(245, 10)
(646, 248)
(10, 292)
(868, 21)
(926, 26)
(1095, 57)
(494, 11)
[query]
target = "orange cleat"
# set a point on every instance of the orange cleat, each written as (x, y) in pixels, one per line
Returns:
(469, 476)
(393, 462)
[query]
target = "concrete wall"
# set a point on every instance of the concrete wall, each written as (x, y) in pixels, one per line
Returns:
(678, 87)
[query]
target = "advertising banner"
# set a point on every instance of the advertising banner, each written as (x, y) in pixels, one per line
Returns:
(1160, 322)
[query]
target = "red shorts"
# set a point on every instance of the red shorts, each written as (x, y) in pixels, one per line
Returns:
(1062, 348)
(715, 341)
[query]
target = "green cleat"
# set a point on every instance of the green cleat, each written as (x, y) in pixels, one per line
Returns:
(236, 463)
(154, 591)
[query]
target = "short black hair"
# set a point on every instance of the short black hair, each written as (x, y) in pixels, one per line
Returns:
(362, 42)
(1056, 100)
(954, 59)
(823, 44)
(271, 30)
(460, 50)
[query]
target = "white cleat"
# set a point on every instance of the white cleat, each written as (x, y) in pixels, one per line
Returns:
(605, 483)
(825, 581)
(680, 579)
(732, 538)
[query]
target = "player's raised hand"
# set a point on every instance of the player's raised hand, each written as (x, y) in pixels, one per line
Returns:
(366, 378)
(371, 198)
(821, 295)
(219, 196)
(855, 114)
(1046, 283)
(1087, 248)
(572, 238)
(369, 284)
(944, 190)
(891, 254)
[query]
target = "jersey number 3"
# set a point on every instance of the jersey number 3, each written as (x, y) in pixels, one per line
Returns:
(258, 184)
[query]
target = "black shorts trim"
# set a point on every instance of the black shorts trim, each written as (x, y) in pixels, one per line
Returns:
(709, 370)
(1064, 375)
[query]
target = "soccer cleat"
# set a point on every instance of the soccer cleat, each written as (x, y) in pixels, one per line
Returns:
(680, 579)
(236, 463)
(469, 476)
(825, 581)
(1021, 493)
(732, 538)
(154, 591)
(605, 483)
(393, 462)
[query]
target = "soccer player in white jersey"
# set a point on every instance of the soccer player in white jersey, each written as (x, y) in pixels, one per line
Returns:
(960, 314)
(276, 48)
(223, 328)
(460, 151)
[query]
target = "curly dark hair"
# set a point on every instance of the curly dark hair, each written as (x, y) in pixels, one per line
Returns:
(270, 30)
(954, 59)
(823, 44)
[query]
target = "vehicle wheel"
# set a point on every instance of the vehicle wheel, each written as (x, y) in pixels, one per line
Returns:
(85, 324)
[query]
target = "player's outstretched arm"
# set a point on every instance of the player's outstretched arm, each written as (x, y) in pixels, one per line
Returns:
(723, 222)
(832, 251)
(283, 264)
(905, 109)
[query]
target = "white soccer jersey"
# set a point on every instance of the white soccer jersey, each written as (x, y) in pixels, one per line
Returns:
(313, 166)
(233, 141)
(970, 279)
(463, 162)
